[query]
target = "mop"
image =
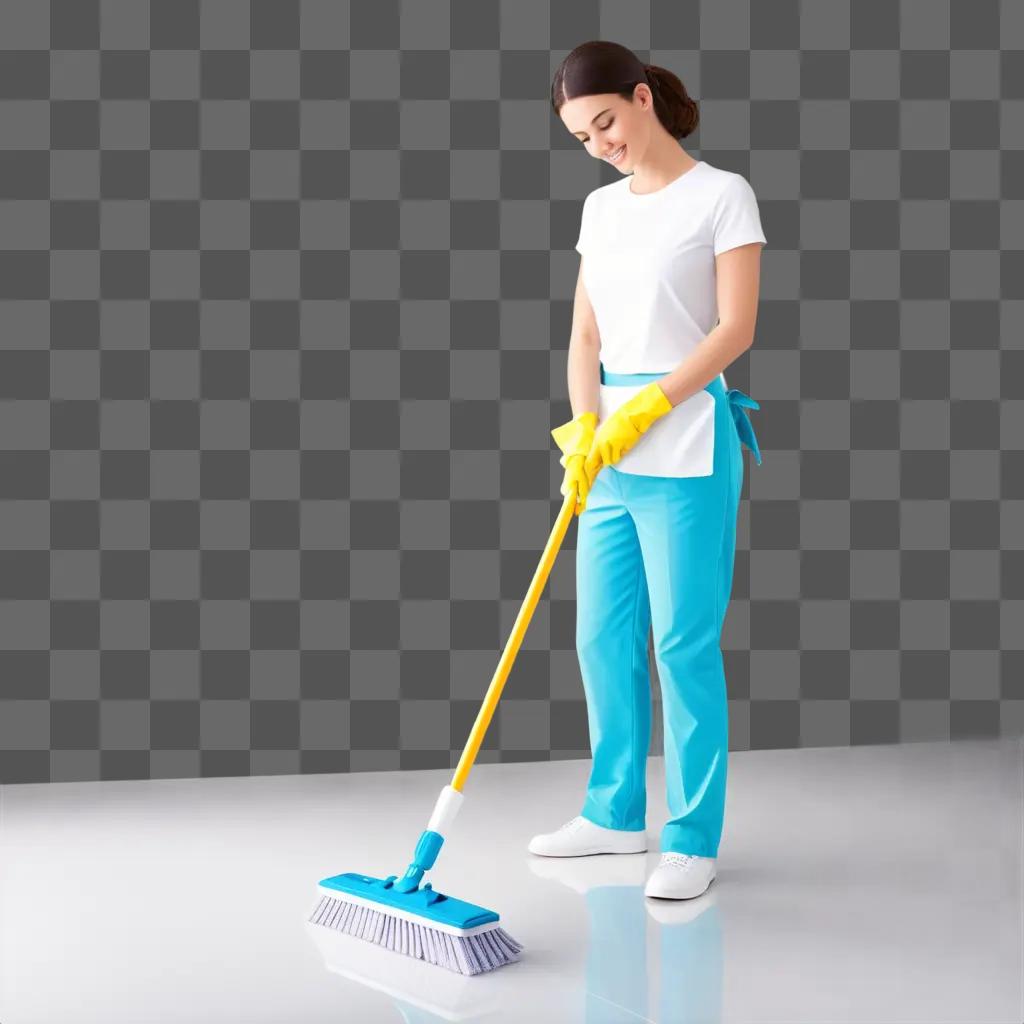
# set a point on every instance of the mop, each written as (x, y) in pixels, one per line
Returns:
(415, 920)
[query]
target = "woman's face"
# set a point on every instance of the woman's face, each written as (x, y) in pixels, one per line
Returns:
(607, 124)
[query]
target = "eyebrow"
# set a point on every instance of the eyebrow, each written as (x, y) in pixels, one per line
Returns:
(595, 117)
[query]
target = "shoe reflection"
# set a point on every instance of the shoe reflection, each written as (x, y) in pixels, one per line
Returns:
(619, 983)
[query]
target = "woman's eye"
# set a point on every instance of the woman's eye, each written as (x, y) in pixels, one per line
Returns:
(604, 129)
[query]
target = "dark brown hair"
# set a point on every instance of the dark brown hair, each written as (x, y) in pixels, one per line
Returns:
(600, 66)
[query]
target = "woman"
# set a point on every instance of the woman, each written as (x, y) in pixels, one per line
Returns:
(666, 300)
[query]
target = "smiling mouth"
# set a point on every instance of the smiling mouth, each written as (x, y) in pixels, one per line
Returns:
(615, 157)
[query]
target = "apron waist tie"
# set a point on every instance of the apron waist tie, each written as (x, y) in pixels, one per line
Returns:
(738, 404)
(738, 401)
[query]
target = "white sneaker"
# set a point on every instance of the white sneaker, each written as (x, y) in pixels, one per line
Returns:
(680, 876)
(581, 837)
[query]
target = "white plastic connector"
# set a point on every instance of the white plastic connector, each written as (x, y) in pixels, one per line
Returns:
(447, 806)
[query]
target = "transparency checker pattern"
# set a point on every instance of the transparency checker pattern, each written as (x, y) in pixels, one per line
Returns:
(286, 292)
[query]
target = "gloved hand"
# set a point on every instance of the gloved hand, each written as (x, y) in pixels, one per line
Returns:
(620, 431)
(574, 439)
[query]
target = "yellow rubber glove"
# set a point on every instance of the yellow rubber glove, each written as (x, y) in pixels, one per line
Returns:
(574, 439)
(620, 431)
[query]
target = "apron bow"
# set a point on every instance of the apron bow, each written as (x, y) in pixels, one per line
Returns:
(738, 404)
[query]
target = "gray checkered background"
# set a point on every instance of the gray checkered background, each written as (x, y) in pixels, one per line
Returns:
(285, 297)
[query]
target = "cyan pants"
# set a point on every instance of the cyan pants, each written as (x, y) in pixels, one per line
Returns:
(654, 550)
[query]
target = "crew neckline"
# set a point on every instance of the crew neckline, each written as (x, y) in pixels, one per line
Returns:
(664, 188)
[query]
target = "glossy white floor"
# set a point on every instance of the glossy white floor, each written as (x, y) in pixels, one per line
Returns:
(868, 884)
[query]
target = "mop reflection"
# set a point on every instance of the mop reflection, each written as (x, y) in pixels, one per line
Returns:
(422, 993)
(618, 976)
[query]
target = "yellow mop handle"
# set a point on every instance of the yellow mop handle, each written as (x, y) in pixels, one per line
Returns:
(540, 578)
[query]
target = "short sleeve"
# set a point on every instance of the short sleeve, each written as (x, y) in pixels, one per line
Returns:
(736, 219)
(584, 237)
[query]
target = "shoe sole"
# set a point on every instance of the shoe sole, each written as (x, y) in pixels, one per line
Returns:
(657, 896)
(591, 851)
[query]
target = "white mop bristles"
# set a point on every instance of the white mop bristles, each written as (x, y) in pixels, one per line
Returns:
(465, 951)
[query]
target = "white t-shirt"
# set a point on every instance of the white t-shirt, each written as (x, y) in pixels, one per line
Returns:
(649, 271)
(649, 266)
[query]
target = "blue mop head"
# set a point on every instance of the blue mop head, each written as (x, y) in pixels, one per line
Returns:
(422, 923)
(414, 920)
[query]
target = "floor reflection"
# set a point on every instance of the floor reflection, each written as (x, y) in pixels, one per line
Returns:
(647, 959)
(687, 981)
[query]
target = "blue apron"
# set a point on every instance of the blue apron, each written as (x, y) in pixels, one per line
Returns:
(659, 551)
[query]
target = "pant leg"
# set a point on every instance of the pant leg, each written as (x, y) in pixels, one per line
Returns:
(613, 620)
(687, 532)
